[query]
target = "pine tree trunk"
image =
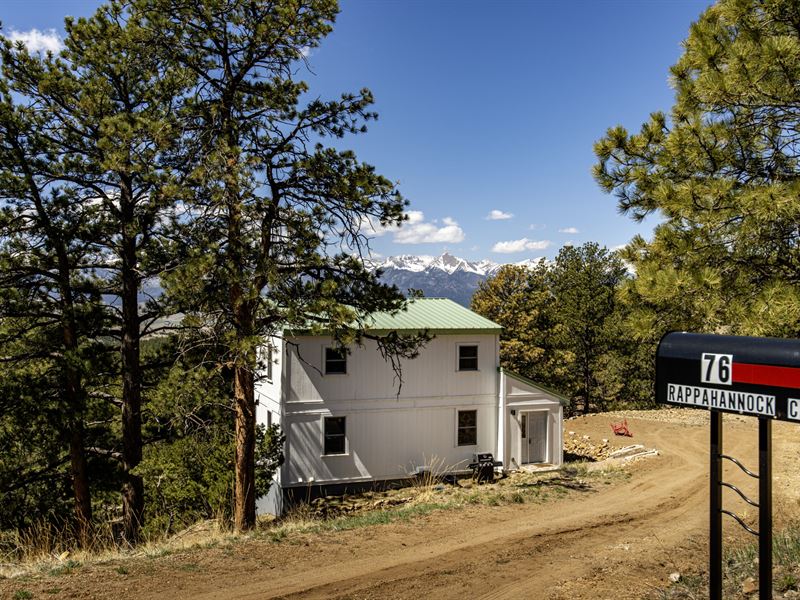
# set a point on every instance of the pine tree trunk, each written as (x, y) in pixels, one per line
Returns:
(244, 513)
(132, 485)
(80, 485)
(245, 476)
(76, 401)
(75, 396)
(586, 386)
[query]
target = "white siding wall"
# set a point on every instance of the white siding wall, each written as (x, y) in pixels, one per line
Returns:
(268, 391)
(269, 410)
(521, 397)
(388, 435)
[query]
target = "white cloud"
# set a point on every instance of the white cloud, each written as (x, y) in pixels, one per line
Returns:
(498, 215)
(418, 231)
(536, 226)
(522, 245)
(571, 230)
(414, 216)
(372, 226)
(36, 40)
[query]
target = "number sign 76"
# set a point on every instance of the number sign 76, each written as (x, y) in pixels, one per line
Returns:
(716, 368)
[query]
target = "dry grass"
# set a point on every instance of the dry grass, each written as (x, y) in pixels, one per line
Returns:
(48, 550)
(425, 486)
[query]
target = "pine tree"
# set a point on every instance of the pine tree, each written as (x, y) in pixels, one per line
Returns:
(521, 300)
(108, 104)
(584, 281)
(279, 221)
(50, 308)
(721, 172)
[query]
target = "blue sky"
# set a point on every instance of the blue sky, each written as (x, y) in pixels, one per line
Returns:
(486, 106)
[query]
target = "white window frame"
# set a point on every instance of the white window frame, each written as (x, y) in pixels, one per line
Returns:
(346, 452)
(477, 415)
(459, 345)
(325, 359)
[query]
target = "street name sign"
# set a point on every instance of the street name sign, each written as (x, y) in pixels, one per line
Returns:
(743, 375)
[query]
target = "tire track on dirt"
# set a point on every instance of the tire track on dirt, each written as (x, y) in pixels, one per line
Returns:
(533, 547)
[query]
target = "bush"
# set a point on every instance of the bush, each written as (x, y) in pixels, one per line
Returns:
(181, 489)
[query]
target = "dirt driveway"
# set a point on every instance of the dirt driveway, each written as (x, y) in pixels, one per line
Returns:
(619, 542)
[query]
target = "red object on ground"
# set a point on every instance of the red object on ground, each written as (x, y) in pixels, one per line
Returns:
(621, 428)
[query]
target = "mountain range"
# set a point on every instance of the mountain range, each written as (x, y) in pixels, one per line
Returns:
(445, 276)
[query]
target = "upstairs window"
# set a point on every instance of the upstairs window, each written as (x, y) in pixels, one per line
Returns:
(468, 358)
(335, 361)
(335, 435)
(467, 428)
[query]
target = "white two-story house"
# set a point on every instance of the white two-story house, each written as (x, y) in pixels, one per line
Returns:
(347, 427)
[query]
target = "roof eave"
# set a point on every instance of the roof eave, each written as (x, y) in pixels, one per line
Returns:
(434, 331)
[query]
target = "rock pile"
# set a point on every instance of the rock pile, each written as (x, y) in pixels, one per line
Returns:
(584, 447)
(333, 506)
(683, 416)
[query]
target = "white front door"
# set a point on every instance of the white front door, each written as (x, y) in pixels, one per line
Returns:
(533, 434)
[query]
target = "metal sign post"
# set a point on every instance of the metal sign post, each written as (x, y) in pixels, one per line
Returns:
(764, 508)
(758, 377)
(715, 510)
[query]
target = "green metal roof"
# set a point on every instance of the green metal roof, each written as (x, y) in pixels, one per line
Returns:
(437, 315)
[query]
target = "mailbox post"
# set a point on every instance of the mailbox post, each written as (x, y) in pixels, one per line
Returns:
(758, 377)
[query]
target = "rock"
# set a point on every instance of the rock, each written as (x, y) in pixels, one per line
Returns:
(749, 586)
(675, 577)
(791, 594)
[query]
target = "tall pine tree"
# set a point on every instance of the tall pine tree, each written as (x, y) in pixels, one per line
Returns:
(520, 299)
(50, 309)
(721, 171)
(108, 104)
(279, 221)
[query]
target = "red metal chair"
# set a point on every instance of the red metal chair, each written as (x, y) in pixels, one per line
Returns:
(621, 428)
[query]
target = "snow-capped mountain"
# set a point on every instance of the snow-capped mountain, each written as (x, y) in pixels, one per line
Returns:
(441, 276)
(446, 262)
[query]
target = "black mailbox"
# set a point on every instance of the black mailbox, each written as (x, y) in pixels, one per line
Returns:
(743, 375)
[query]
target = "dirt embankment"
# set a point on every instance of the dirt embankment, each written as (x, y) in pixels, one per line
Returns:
(618, 542)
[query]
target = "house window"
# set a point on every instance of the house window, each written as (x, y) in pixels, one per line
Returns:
(467, 427)
(335, 361)
(468, 358)
(335, 435)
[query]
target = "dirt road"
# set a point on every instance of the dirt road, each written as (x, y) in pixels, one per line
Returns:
(618, 542)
